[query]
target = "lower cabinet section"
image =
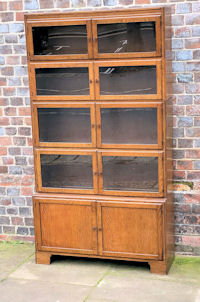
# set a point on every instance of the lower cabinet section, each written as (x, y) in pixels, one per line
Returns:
(108, 229)
(130, 230)
(66, 226)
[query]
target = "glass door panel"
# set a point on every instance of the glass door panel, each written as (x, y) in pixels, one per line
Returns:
(60, 40)
(129, 125)
(60, 125)
(127, 37)
(62, 81)
(128, 80)
(131, 173)
(66, 171)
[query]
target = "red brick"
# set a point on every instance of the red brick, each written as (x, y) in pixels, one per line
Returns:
(193, 175)
(3, 6)
(191, 240)
(23, 111)
(63, 3)
(5, 141)
(27, 191)
(46, 4)
(10, 111)
(27, 151)
(192, 43)
(143, 1)
(23, 60)
(192, 88)
(10, 181)
(192, 198)
(9, 91)
(19, 16)
(27, 180)
(3, 169)
(6, 17)
(192, 154)
(3, 151)
(184, 165)
(16, 121)
(30, 141)
(193, 110)
(179, 175)
(2, 81)
(7, 71)
(13, 60)
(4, 121)
(16, 5)
(17, 220)
(28, 121)
(8, 160)
(193, 132)
(3, 102)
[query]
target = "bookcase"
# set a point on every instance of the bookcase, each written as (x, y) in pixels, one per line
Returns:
(102, 135)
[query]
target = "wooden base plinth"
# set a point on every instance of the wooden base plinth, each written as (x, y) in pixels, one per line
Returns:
(42, 258)
(158, 267)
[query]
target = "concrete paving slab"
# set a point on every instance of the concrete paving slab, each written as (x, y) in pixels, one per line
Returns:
(38, 291)
(11, 255)
(65, 270)
(121, 289)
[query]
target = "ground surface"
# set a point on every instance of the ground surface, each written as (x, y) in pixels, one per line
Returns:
(88, 280)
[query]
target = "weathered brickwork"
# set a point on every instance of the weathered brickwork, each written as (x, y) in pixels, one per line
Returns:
(16, 163)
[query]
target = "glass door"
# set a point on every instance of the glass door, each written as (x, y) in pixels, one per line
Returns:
(62, 81)
(130, 173)
(60, 40)
(64, 125)
(129, 125)
(127, 37)
(128, 80)
(71, 171)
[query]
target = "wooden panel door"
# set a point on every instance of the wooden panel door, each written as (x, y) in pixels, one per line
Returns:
(132, 230)
(61, 81)
(129, 125)
(131, 173)
(66, 171)
(63, 39)
(127, 37)
(128, 80)
(65, 225)
(58, 124)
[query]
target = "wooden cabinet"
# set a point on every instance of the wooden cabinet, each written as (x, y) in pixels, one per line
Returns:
(100, 132)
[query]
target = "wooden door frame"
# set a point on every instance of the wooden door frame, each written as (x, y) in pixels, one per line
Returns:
(62, 22)
(91, 106)
(145, 62)
(38, 173)
(157, 105)
(32, 79)
(159, 154)
(127, 19)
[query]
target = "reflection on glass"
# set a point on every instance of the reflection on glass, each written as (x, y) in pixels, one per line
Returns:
(62, 81)
(60, 40)
(130, 173)
(70, 125)
(126, 37)
(66, 171)
(129, 125)
(128, 80)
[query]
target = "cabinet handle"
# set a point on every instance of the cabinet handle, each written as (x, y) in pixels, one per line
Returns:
(100, 229)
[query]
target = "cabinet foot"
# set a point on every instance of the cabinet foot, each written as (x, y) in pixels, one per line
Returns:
(158, 267)
(42, 258)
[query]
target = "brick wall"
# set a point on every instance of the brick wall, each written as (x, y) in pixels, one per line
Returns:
(16, 163)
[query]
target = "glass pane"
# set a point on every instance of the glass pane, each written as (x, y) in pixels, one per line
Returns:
(70, 125)
(126, 37)
(62, 81)
(66, 171)
(60, 40)
(127, 80)
(129, 125)
(130, 173)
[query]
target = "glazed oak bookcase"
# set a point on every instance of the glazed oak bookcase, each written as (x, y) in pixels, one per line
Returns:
(101, 135)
